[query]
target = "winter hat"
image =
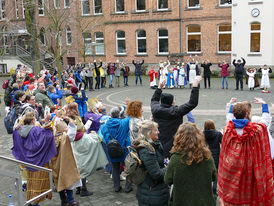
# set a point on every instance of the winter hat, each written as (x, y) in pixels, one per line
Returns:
(74, 90)
(167, 98)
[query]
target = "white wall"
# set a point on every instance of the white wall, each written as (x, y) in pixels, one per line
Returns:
(241, 19)
(11, 62)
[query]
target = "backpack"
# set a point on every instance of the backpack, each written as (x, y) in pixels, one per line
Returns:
(9, 120)
(134, 171)
(5, 84)
(115, 149)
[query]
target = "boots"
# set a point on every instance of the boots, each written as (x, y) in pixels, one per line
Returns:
(84, 191)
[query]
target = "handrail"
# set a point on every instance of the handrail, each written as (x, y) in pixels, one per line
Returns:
(19, 182)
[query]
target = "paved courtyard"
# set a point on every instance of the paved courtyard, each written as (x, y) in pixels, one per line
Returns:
(211, 106)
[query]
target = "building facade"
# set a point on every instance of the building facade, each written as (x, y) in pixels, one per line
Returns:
(127, 30)
(253, 27)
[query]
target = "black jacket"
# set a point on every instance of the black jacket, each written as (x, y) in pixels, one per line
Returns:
(239, 68)
(207, 71)
(138, 67)
(170, 117)
(214, 139)
(153, 191)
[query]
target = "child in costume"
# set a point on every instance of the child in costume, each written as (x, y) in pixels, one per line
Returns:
(153, 75)
(170, 79)
(251, 78)
(265, 83)
(192, 70)
(175, 74)
(182, 82)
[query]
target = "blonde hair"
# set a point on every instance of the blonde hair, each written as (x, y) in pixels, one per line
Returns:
(28, 118)
(146, 128)
(72, 110)
(190, 140)
(60, 126)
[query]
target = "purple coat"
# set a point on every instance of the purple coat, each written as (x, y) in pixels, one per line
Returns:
(95, 122)
(34, 145)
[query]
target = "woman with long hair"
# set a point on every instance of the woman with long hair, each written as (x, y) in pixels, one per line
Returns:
(191, 168)
(153, 191)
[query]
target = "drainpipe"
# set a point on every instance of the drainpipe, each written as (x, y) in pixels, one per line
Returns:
(181, 26)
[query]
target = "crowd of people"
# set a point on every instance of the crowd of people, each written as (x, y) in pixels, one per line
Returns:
(181, 164)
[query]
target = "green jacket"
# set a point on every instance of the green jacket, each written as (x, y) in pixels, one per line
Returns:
(43, 98)
(192, 184)
(153, 191)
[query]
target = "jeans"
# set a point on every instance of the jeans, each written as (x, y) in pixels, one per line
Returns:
(103, 82)
(90, 82)
(208, 78)
(140, 77)
(117, 81)
(65, 197)
(110, 79)
(97, 85)
(125, 80)
(116, 177)
(225, 80)
(239, 79)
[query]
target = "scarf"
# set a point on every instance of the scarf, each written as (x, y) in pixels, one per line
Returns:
(245, 173)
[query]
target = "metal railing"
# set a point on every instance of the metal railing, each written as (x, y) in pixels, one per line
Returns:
(17, 176)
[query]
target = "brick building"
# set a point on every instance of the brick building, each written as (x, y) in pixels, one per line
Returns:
(128, 29)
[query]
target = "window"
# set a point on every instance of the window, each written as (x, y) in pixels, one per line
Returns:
(41, 7)
(119, 6)
(193, 3)
(3, 9)
(42, 36)
(87, 43)
(3, 68)
(255, 37)
(121, 42)
(141, 42)
(140, 5)
(97, 6)
(225, 2)
(224, 38)
(162, 4)
(66, 4)
(6, 43)
(163, 41)
(194, 38)
(85, 7)
(68, 36)
(16, 9)
(57, 4)
(99, 40)
(23, 9)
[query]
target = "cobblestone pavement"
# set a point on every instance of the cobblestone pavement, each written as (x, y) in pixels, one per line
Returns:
(211, 106)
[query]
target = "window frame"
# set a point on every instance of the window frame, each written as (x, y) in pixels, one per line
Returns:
(43, 32)
(164, 9)
(193, 33)
(101, 44)
(120, 38)
(42, 8)
(83, 9)
(255, 32)
(136, 8)
(16, 9)
(119, 12)
(89, 39)
(140, 38)
(68, 31)
(65, 5)
(94, 8)
(191, 7)
(218, 38)
(158, 41)
(225, 4)
(55, 6)
(23, 9)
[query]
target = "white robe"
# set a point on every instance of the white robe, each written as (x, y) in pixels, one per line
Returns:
(251, 80)
(182, 76)
(192, 72)
(265, 79)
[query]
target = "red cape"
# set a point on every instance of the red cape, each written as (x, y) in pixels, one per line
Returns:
(245, 174)
(150, 73)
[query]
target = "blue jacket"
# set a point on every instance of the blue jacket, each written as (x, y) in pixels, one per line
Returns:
(55, 96)
(77, 76)
(81, 101)
(122, 128)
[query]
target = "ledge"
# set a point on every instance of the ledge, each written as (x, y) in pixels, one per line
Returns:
(223, 7)
(92, 15)
(194, 53)
(255, 2)
(140, 12)
(160, 55)
(141, 55)
(120, 55)
(223, 53)
(254, 55)
(99, 55)
(160, 11)
(193, 8)
(117, 13)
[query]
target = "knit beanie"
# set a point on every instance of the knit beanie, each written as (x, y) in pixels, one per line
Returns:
(74, 90)
(167, 98)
